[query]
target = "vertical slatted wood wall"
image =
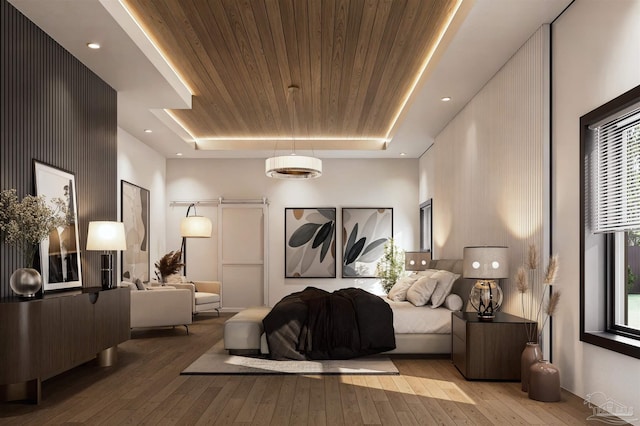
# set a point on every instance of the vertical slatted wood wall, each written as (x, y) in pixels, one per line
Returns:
(57, 111)
(488, 170)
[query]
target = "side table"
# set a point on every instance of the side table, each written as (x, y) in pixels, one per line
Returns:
(488, 350)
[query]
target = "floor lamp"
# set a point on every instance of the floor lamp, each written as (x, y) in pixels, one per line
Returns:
(106, 237)
(193, 227)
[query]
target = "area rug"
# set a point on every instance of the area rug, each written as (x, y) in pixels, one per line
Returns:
(217, 361)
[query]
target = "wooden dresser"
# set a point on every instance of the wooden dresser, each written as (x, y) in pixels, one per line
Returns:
(43, 337)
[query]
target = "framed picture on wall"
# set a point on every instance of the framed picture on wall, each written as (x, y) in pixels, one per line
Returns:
(135, 217)
(310, 242)
(60, 265)
(364, 233)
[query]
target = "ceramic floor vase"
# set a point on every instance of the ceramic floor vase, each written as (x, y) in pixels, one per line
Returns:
(544, 382)
(530, 355)
(25, 282)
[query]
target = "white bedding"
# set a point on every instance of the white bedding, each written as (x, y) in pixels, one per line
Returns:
(409, 319)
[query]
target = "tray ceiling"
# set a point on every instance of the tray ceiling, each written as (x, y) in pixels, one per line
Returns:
(356, 63)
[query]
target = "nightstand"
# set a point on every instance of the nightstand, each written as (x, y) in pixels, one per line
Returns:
(488, 350)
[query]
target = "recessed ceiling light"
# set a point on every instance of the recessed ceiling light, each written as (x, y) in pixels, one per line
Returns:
(445, 99)
(93, 45)
(148, 130)
(403, 154)
(178, 154)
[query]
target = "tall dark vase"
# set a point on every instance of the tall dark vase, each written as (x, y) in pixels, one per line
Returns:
(544, 382)
(530, 355)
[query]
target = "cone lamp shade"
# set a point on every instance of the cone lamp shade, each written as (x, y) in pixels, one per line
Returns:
(195, 227)
(417, 260)
(106, 236)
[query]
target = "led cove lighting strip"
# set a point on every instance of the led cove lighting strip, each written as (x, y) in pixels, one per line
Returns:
(424, 65)
(170, 114)
(289, 138)
(155, 46)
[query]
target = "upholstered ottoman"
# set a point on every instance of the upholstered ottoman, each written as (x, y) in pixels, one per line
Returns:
(243, 331)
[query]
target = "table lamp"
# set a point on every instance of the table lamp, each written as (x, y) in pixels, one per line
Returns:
(416, 260)
(486, 264)
(106, 236)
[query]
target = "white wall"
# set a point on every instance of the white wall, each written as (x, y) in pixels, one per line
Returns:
(344, 183)
(596, 57)
(487, 171)
(142, 166)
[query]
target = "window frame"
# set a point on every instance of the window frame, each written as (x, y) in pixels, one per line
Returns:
(606, 334)
(426, 212)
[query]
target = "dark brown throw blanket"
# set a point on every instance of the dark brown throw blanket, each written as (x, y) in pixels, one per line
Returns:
(316, 324)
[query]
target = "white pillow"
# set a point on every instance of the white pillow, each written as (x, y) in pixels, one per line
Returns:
(398, 292)
(453, 302)
(421, 291)
(426, 272)
(445, 283)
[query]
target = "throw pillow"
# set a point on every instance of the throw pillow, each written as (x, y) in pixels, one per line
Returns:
(398, 292)
(427, 272)
(128, 284)
(445, 283)
(453, 302)
(139, 284)
(173, 279)
(421, 291)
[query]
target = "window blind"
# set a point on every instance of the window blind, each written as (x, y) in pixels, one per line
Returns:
(617, 172)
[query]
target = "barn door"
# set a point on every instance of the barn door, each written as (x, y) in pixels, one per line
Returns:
(242, 254)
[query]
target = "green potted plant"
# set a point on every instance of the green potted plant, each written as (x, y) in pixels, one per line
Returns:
(390, 267)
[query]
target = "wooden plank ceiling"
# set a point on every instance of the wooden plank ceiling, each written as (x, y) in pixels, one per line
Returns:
(354, 61)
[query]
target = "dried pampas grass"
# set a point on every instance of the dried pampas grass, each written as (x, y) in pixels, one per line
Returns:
(552, 304)
(534, 261)
(522, 281)
(537, 309)
(552, 270)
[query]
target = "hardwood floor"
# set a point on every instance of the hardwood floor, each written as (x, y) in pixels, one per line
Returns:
(146, 388)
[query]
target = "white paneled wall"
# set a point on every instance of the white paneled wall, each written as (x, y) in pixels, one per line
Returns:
(488, 170)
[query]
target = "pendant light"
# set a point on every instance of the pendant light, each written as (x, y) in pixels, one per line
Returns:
(293, 166)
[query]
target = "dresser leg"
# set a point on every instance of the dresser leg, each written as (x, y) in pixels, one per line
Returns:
(108, 357)
(25, 391)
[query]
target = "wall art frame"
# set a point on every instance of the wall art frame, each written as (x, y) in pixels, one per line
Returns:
(364, 232)
(310, 242)
(135, 215)
(60, 265)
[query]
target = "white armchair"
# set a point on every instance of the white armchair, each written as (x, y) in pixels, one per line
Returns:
(160, 306)
(206, 295)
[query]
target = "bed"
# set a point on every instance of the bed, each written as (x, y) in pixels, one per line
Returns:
(417, 330)
(413, 336)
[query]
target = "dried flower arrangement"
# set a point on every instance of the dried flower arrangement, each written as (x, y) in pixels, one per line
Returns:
(524, 283)
(169, 264)
(28, 222)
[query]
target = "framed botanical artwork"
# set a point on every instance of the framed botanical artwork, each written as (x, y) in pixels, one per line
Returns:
(364, 232)
(310, 242)
(60, 251)
(135, 217)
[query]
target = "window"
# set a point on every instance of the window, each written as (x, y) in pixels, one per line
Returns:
(426, 228)
(610, 231)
